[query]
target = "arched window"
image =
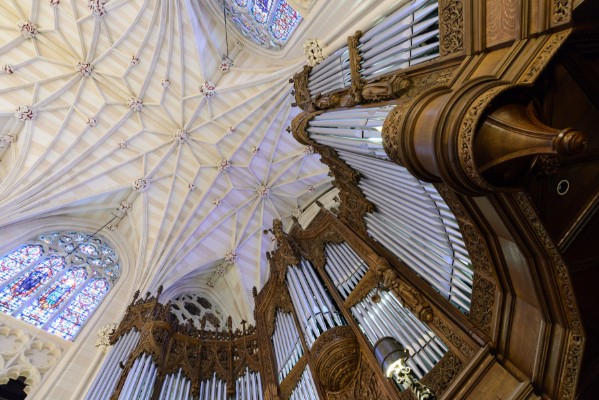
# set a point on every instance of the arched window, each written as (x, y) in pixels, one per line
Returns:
(56, 280)
(270, 23)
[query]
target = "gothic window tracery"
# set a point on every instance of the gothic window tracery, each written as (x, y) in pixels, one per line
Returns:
(270, 23)
(56, 280)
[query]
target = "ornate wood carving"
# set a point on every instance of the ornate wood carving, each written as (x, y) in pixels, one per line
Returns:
(464, 348)
(198, 352)
(335, 356)
(411, 299)
(561, 11)
(439, 378)
(355, 59)
(451, 26)
(575, 341)
(369, 281)
(313, 239)
(293, 377)
(367, 384)
(542, 58)
(302, 93)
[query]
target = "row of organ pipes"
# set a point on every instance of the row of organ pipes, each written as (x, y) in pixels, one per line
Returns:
(411, 221)
(405, 38)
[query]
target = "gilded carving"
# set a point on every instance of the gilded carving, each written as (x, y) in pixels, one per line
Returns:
(300, 86)
(369, 281)
(411, 299)
(451, 26)
(575, 343)
(355, 59)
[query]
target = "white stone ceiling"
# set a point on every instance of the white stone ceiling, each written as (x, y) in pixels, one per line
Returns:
(110, 110)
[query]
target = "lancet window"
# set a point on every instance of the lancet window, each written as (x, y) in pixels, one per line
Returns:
(56, 280)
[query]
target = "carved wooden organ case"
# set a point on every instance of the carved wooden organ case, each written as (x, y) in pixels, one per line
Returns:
(485, 117)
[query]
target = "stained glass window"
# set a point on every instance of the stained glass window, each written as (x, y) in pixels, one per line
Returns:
(270, 23)
(57, 280)
(18, 260)
(284, 21)
(261, 9)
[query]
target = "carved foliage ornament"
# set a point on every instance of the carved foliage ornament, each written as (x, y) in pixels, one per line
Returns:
(451, 26)
(575, 344)
(561, 11)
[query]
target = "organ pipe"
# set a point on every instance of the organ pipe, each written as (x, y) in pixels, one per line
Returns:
(312, 303)
(107, 377)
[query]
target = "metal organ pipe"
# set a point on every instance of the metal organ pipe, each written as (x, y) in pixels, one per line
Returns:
(288, 349)
(110, 372)
(386, 318)
(413, 222)
(249, 386)
(316, 310)
(305, 389)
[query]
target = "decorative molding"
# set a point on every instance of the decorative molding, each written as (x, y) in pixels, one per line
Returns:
(465, 137)
(293, 378)
(482, 304)
(451, 26)
(335, 356)
(369, 281)
(409, 89)
(410, 297)
(367, 384)
(85, 69)
(442, 374)
(455, 340)
(543, 57)
(575, 342)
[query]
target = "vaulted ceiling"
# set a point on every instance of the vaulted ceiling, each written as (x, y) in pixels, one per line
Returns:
(119, 111)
